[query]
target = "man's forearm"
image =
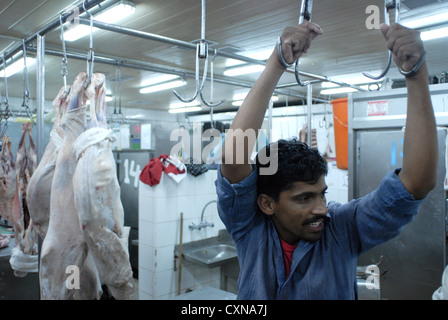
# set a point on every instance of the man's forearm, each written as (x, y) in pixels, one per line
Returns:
(420, 154)
(249, 117)
(236, 156)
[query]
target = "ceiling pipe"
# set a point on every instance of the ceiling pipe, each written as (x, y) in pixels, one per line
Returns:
(189, 45)
(47, 28)
(138, 65)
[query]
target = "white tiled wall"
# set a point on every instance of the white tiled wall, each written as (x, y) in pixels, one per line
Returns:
(159, 231)
(337, 182)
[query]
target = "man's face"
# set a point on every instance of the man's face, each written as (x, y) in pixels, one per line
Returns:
(301, 211)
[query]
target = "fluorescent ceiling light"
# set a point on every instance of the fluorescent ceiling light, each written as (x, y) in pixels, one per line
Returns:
(77, 32)
(237, 103)
(338, 90)
(426, 21)
(243, 70)
(163, 86)
(158, 79)
(16, 66)
(258, 55)
(176, 105)
(112, 14)
(343, 89)
(352, 78)
(240, 96)
(116, 12)
(434, 34)
(187, 109)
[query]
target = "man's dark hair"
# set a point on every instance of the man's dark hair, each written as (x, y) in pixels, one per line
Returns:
(296, 162)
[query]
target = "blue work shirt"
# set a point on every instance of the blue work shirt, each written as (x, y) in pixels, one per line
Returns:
(325, 269)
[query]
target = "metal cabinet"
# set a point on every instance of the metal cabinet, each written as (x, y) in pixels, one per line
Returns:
(411, 264)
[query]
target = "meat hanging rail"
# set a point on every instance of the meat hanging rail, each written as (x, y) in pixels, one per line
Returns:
(189, 45)
(39, 37)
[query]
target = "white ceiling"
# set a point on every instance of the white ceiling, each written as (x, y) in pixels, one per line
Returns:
(347, 46)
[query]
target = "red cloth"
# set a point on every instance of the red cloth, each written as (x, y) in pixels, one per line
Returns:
(287, 250)
(152, 172)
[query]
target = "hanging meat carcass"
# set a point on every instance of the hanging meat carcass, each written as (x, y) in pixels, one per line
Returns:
(97, 196)
(24, 257)
(39, 187)
(65, 254)
(26, 162)
(7, 179)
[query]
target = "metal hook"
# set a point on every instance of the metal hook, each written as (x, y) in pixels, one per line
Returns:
(388, 4)
(91, 54)
(211, 104)
(64, 71)
(199, 49)
(6, 83)
(306, 9)
(118, 92)
(324, 123)
(26, 93)
(201, 53)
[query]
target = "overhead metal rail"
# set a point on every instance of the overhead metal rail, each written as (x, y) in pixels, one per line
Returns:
(139, 65)
(54, 24)
(86, 5)
(193, 46)
(49, 27)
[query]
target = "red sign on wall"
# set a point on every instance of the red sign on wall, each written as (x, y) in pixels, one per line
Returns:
(377, 108)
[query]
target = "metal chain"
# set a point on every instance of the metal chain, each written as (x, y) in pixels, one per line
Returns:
(26, 91)
(8, 112)
(91, 54)
(64, 71)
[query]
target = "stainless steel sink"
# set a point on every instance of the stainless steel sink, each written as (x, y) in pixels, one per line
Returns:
(212, 255)
(209, 252)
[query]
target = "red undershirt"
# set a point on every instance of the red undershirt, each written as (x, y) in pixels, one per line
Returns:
(287, 250)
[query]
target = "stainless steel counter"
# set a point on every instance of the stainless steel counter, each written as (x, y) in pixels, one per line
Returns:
(207, 293)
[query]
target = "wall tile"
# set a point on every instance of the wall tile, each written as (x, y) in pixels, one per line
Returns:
(165, 258)
(145, 281)
(165, 209)
(187, 205)
(160, 232)
(145, 233)
(166, 234)
(146, 256)
(145, 211)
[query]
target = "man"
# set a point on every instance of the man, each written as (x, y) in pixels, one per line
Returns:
(290, 244)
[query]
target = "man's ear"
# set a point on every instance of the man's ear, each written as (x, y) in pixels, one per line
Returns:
(266, 204)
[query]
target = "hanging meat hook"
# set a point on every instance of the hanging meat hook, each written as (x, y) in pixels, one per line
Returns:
(7, 113)
(201, 53)
(306, 9)
(388, 5)
(211, 104)
(26, 91)
(91, 54)
(117, 100)
(199, 86)
(64, 71)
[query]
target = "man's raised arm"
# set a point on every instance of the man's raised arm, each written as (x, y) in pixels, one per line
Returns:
(420, 153)
(235, 156)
